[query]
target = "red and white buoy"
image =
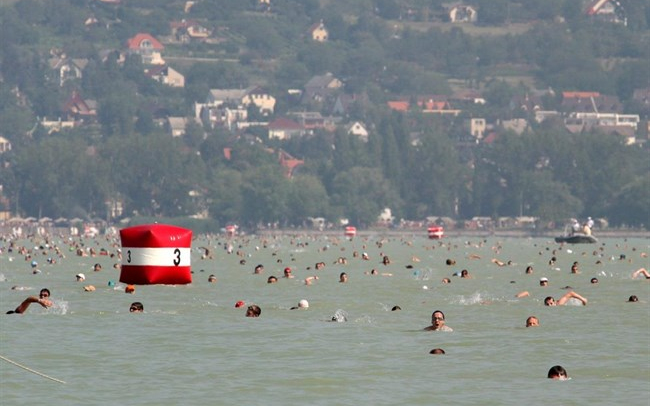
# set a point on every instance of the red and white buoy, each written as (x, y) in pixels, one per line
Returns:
(435, 232)
(156, 254)
(350, 231)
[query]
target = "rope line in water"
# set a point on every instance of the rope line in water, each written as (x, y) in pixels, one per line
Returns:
(30, 370)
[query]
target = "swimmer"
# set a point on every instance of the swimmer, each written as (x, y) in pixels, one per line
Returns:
(465, 274)
(136, 307)
(641, 271)
(557, 372)
(437, 351)
(499, 263)
(97, 267)
(543, 281)
(272, 279)
(532, 321)
(258, 269)
(302, 304)
(529, 269)
(343, 277)
(395, 308)
(633, 298)
(594, 280)
(42, 300)
(550, 301)
(438, 322)
(287, 273)
(310, 279)
(446, 280)
(80, 277)
(374, 272)
(212, 279)
(253, 311)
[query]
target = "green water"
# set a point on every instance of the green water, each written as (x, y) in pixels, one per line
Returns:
(191, 346)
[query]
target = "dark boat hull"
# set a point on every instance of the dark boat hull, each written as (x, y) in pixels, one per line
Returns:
(577, 239)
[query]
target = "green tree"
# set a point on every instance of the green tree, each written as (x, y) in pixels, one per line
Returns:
(360, 194)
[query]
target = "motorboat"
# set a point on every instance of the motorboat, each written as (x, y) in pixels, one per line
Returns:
(577, 238)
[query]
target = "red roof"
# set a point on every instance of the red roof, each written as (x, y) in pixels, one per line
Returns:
(579, 95)
(398, 105)
(424, 102)
(135, 43)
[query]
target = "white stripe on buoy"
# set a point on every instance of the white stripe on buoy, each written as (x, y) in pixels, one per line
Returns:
(156, 256)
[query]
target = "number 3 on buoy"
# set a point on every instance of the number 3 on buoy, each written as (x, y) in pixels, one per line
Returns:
(153, 255)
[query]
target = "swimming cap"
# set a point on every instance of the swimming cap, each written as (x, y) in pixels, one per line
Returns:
(240, 304)
(303, 303)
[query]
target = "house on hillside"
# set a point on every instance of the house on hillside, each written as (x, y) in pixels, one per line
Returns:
(67, 69)
(5, 145)
(242, 97)
(477, 127)
(611, 11)
(318, 32)
(185, 31)
(76, 108)
(590, 102)
(357, 128)
(53, 126)
(176, 126)
(434, 104)
(148, 47)
(229, 107)
(587, 110)
(320, 88)
(165, 75)
(284, 129)
(313, 120)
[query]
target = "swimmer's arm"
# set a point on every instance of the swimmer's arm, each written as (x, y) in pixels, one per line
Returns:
(523, 294)
(570, 295)
(641, 271)
(309, 279)
(32, 299)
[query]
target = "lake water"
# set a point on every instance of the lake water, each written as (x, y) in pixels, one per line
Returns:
(191, 346)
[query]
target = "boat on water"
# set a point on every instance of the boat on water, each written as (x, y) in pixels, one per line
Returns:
(572, 236)
(577, 238)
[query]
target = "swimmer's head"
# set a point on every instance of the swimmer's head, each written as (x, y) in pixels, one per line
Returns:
(557, 372)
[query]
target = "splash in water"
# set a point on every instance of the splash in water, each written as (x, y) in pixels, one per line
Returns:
(340, 316)
(58, 307)
(475, 298)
